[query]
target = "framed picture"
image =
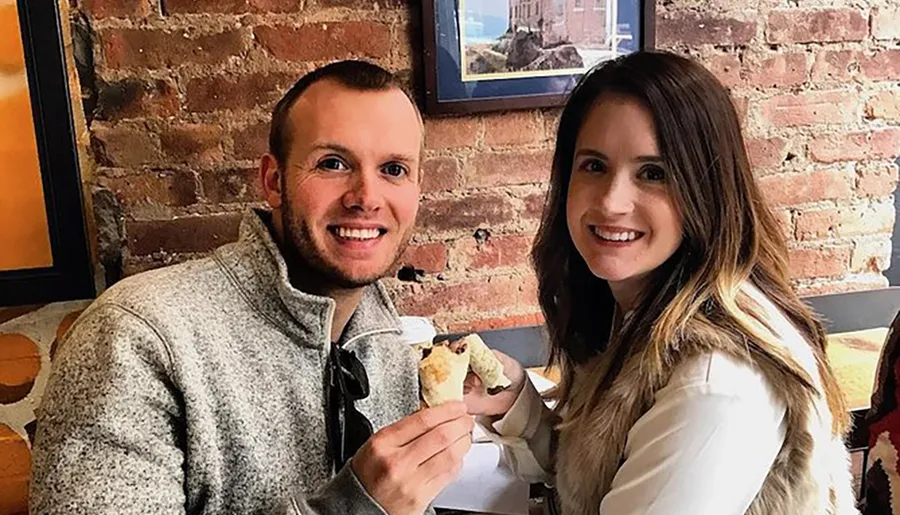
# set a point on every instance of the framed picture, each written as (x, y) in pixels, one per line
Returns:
(486, 55)
(44, 254)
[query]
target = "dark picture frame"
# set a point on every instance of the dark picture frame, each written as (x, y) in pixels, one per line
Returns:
(453, 87)
(70, 276)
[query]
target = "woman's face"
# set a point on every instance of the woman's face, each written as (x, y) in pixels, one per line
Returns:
(620, 211)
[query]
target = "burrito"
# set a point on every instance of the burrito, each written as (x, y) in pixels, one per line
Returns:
(442, 372)
(486, 365)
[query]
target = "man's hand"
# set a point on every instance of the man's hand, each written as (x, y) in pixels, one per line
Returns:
(404, 466)
(481, 403)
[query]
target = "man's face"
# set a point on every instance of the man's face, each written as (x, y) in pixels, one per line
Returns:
(350, 184)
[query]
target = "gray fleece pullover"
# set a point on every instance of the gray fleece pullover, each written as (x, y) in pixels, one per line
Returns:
(199, 388)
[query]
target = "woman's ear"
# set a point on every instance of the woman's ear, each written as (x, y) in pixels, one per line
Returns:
(271, 180)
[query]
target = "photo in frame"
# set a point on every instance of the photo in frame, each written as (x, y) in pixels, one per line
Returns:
(487, 55)
(44, 252)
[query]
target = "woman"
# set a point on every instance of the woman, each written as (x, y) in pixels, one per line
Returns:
(694, 381)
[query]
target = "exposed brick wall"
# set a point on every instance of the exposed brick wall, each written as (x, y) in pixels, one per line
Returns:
(184, 88)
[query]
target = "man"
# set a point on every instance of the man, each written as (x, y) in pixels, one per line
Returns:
(251, 381)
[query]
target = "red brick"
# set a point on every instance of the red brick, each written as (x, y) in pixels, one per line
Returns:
(499, 322)
(819, 262)
(817, 224)
(512, 128)
(146, 48)
(236, 92)
(882, 65)
(441, 174)
(251, 142)
(431, 258)
(134, 98)
(496, 169)
(469, 212)
(232, 186)
(124, 146)
(767, 152)
(691, 29)
(475, 296)
(800, 188)
(115, 8)
(886, 22)
(154, 188)
(199, 144)
(877, 180)
(779, 70)
(785, 221)
(529, 290)
(839, 147)
(855, 146)
(811, 108)
(842, 65)
(364, 4)
(443, 133)
(326, 41)
(496, 252)
(182, 235)
(871, 256)
(551, 122)
(885, 105)
(230, 6)
(834, 65)
(816, 26)
(845, 221)
(726, 68)
(534, 205)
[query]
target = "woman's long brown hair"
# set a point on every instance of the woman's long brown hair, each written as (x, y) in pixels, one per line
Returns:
(730, 237)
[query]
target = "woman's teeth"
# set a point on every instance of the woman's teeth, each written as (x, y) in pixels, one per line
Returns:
(357, 234)
(616, 236)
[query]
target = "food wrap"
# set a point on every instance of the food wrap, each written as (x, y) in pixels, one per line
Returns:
(443, 369)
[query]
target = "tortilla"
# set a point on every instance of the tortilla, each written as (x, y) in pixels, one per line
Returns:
(442, 373)
(486, 365)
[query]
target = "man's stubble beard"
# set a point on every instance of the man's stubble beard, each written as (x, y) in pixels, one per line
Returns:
(299, 248)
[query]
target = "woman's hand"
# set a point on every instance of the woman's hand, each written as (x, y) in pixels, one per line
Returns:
(478, 400)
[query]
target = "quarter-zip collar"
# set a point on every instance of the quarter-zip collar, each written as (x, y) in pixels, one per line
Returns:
(256, 267)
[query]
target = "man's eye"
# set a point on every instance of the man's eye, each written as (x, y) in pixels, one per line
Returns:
(332, 163)
(395, 170)
(654, 173)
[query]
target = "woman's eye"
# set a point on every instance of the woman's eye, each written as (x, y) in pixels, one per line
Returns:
(395, 170)
(593, 165)
(654, 173)
(332, 163)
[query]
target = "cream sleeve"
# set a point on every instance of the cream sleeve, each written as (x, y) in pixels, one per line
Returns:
(527, 431)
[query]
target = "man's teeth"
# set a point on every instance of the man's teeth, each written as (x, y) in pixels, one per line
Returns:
(616, 236)
(358, 234)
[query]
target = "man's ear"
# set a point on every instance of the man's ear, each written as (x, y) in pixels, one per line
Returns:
(270, 179)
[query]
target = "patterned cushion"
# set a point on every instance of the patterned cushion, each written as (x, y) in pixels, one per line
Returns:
(882, 493)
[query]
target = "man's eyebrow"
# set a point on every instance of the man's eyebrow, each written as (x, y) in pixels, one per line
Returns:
(340, 149)
(406, 158)
(333, 147)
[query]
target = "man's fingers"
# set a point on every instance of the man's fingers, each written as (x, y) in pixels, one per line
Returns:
(444, 467)
(408, 429)
(440, 438)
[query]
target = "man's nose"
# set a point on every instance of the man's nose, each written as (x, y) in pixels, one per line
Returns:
(363, 192)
